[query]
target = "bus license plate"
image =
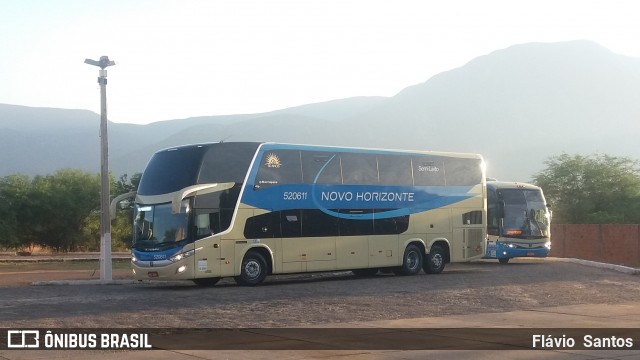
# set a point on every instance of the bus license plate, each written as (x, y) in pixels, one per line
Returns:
(530, 253)
(152, 274)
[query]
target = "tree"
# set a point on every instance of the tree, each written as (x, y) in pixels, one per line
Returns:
(65, 200)
(125, 185)
(14, 212)
(593, 189)
(60, 211)
(122, 225)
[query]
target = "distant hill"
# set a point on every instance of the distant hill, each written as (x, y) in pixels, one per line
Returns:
(519, 105)
(516, 106)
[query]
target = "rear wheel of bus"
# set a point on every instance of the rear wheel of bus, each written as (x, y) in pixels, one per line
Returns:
(436, 260)
(254, 269)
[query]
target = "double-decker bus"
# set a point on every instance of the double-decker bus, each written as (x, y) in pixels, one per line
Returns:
(518, 221)
(248, 210)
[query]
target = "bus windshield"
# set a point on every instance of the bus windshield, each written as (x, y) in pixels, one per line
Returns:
(525, 213)
(156, 228)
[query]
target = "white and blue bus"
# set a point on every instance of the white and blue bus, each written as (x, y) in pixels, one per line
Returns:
(248, 210)
(518, 221)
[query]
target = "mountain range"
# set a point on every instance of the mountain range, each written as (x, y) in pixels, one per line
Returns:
(517, 106)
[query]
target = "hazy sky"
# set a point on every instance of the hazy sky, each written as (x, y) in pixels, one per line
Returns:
(177, 59)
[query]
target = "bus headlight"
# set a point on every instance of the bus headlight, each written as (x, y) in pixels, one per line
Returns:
(134, 259)
(186, 254)
(548, 245)
(178, 257)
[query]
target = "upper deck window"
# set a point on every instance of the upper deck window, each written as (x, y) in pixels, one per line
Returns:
(174, 169)
(171, 170)
(278, 167)
(359, 169)
(321, 167)
(395, 170)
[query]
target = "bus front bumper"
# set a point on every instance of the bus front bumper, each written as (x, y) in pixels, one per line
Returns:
(165, 270)
(507, 250)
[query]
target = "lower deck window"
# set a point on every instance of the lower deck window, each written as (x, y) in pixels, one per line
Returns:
(315, 223)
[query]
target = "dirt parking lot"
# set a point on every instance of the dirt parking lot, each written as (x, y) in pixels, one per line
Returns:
(23, 271)
(310, 299)
(28, 277)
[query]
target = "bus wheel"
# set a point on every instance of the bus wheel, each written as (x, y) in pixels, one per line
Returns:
(411, 261)
(206, 281)
(504, 260)
(254, 269)
(435, 260)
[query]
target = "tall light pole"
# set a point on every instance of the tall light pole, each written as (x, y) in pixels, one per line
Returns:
(105, 220)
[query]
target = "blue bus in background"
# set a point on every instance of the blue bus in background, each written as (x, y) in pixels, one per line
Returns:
(518, 221)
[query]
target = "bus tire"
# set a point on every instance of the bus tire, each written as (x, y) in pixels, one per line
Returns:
(411, 261)
(254, 269)
(504, 260)
(206, 281)
(436, 260)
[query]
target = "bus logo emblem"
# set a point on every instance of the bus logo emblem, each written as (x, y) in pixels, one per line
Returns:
(273, 161)
(22, 339)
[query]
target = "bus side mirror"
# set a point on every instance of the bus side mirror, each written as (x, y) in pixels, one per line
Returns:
(114, 203)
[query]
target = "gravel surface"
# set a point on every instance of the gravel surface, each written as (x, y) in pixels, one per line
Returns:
(311, 299)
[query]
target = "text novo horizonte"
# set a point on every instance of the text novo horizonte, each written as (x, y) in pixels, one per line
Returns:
(367, 196)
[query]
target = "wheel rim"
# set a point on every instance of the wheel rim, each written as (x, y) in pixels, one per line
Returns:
(413, 260)
(252, 269)
(436, 260)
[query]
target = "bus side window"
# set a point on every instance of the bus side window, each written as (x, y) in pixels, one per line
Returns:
(395, 170)
(203, 226)
(317, 223)
(207, 222)
(428, 171)
(463, 172)
(279, 167)
(356, 222)
(391, 225)
(359, 168)
(290, 223)
(263, 226)
(320, 167)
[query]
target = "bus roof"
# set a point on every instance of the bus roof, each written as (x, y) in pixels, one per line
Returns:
(494, 185)
(274, 145)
